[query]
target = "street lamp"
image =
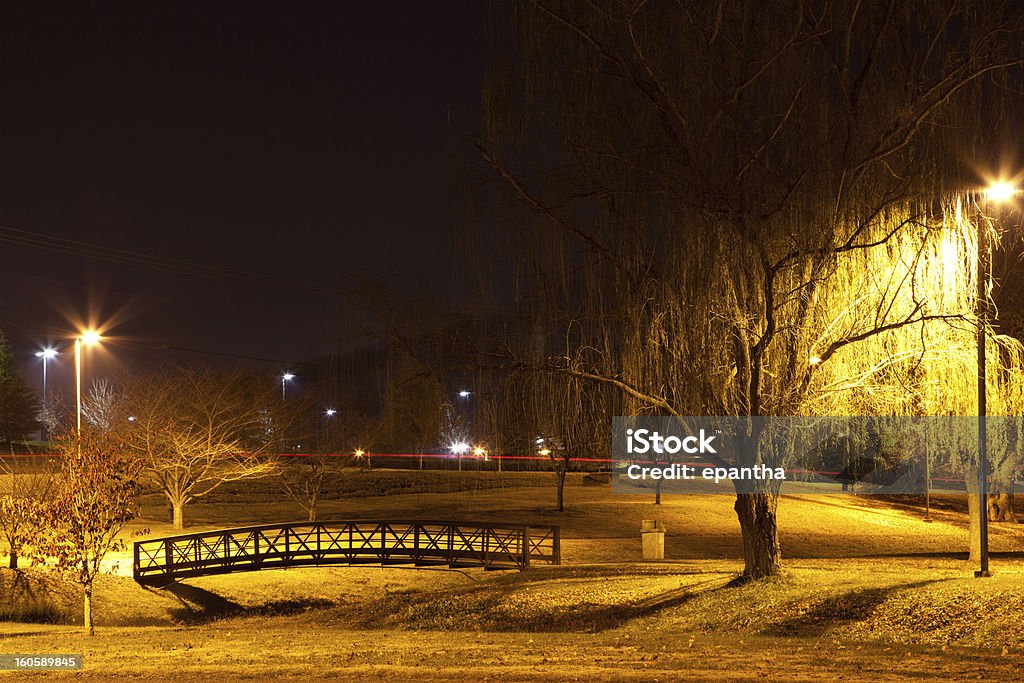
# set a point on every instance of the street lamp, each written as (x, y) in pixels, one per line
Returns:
(89, 338)
(330, 412)
(286, 377)
(996, 193)
(46, 354)
(464, 393)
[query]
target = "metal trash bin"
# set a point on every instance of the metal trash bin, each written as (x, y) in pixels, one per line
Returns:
(652, 536)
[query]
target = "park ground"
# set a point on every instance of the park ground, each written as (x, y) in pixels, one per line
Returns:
(871, 591)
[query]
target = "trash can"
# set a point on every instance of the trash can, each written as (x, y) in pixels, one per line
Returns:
(652, 536)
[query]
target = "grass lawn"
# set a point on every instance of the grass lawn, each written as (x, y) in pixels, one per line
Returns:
(870, 592)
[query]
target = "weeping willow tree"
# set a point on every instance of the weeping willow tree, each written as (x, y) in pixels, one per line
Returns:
(929, 368)
(742, 196)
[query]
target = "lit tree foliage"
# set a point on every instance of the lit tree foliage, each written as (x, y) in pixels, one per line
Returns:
(727, 198)
(92, 500)
(25, 485)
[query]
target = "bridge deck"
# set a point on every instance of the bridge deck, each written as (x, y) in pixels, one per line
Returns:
(455, 544)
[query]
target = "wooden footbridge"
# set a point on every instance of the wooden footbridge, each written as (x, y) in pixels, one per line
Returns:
(274, 546)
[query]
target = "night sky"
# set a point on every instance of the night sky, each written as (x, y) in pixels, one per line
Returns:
(306, 146)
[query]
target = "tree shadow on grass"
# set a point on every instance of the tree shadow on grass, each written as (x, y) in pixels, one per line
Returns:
(487, 609)
(848, 607)
(596, 618)
(277, 608)
(949, 555)
(30, 601)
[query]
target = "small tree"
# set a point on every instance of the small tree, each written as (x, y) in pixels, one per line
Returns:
(302, 479)
(24, 486)
(195, 430)
(303, 476)
(103, 405)
(93, 499)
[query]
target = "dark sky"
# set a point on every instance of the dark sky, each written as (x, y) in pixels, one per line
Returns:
(302, 142)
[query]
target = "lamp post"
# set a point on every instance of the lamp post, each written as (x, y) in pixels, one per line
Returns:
(996, 193)
(285, 378)
(46, 354)
(89, 337)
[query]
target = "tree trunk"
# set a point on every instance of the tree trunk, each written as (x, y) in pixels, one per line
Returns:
(179, 516)
(974, 525)
(657, 493)
(312, 510)
(14, 558)
(561, 489)
(87, 611)
(762, 555)
(1000, 506)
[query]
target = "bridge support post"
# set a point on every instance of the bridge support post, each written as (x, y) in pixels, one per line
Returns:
(526, 549)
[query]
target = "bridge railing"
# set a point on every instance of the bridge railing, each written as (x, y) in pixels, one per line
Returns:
(456, 544)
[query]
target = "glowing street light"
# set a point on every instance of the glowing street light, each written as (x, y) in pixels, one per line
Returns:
(89, 338)
(1000, 192)
(330, 412)
(459, 448)
(285, 378)
(465, 394)
(46, 354)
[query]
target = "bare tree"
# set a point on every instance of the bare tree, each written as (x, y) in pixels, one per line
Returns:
(196, 429)
(302, 479)
(102, 405)
(348, 430)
